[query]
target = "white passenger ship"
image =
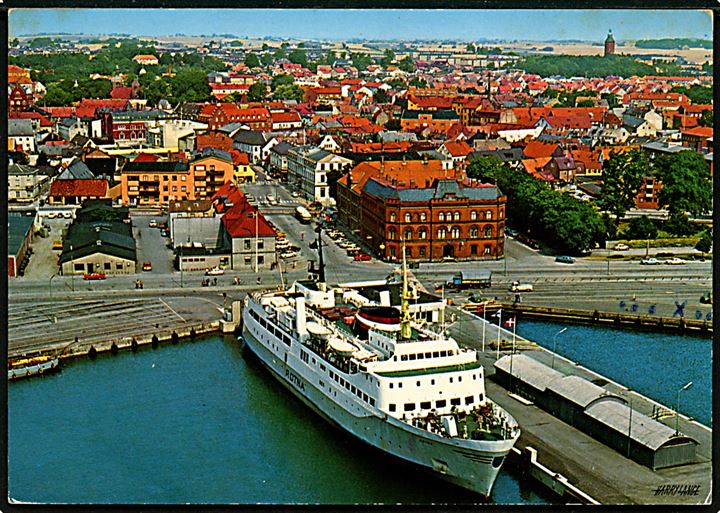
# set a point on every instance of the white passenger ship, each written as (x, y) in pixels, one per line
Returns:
(395, 385)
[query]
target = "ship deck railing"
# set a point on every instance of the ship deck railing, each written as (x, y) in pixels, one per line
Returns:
(430, 370)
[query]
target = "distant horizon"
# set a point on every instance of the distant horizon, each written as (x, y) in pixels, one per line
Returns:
(466, 25)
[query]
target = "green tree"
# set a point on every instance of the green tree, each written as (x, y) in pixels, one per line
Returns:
(266, 59)
(641, 228)
(678, 224)
(696, 93)
(252, 60)
(686, 183)
(387, 58)
(298, 57)
(470, 48)
(189, 85)
(418, 82)
(265, 47)
(281, 79)
(381, 96)
(280, 53)
(56, 96)
(361, 61)
(289, 92)
(704, 245)
(707, 118)
(622, 177)
(407, 65)
(257, 92)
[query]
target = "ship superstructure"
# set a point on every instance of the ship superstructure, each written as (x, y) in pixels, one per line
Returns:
(398, 386)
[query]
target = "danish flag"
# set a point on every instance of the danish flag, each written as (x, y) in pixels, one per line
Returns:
(510, 322)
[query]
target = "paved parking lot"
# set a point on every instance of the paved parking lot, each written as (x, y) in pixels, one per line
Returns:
(44, 262)
(151, 246)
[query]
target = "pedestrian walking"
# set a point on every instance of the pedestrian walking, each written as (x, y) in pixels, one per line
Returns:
(214, 281)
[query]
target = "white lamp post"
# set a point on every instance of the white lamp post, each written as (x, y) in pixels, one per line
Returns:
(677, 408)
(555, 344)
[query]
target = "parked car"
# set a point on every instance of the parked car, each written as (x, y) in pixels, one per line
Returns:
(362, 257)
(94, 276)
(153, 223)
(164, 233)
(621, 247)
(564, 259)
(675, 261)
(215, 271)
(147, 266)
(295, 194)
(650, 261)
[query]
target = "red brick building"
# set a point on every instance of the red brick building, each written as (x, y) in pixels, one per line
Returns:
(217, 115)
(450, 219)
(647, 196)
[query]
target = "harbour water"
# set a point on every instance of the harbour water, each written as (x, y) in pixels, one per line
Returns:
(202, 422)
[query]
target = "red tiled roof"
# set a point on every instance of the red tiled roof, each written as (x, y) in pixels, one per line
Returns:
(146, 157)
(240, 158)
(537, 149)
(240, 221)
(700, 131)
(79, 188)
(458, 148)
(60, 112)
(124, 93)
(285, 117)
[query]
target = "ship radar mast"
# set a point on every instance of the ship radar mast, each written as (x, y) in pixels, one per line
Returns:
(405, 326)
(321, 263)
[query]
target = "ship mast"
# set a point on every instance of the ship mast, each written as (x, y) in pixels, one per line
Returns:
(321, 263)
(405, 327)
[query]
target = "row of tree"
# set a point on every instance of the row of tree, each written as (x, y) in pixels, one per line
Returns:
(534, 207)
(686, 186)
(584, 65)
(676, 43)
(572, 226)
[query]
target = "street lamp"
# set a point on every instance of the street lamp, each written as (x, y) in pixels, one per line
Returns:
(51, 279)
(555, 344)
(677, 408)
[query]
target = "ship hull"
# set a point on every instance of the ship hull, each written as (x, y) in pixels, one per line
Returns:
(473, 465)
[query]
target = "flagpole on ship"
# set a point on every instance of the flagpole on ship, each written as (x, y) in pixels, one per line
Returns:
(497, 349)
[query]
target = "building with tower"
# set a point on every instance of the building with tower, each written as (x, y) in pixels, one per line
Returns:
(609, 44)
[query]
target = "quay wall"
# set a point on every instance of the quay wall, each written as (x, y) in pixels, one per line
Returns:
(679, 325)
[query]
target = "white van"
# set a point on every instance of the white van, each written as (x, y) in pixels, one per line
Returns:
(520, 287)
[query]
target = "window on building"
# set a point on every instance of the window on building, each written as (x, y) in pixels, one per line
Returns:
(145, 178)
(488, 248)
(392, 251)
(473, 215)
(473, 249)
(456, 233)
(407, 217)
(456, 216)
(425, 405)
(392, 217)
(423, 216)
(247, 260)
(261, 259)
(441, 403)
(488, 232)
(474, 232)
(391, 407)
(442, 233)
(183, 178)
(261, 244)
(408, 234)
(165, 178)
(247, 243)
(469, 399)
(488, 214)
(441, 216)
(79, 267)
(183, 188)
(107, 266)
(421, 251)
(455, 401)
(422, 233)
(409, 406)
(500, 214)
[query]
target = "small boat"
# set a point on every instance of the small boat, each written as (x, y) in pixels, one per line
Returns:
(27, 367)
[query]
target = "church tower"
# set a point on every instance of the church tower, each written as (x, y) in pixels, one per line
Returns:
(609, 44)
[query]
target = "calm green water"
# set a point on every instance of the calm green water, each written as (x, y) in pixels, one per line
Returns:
(199, 422)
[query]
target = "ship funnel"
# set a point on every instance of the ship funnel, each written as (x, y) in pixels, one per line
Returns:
(300, 315)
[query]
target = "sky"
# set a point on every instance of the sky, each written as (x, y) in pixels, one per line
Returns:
(467, 25)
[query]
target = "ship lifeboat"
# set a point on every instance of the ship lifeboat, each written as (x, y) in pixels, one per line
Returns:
(380, 318)
(342, 347)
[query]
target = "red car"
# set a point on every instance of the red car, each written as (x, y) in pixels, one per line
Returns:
(94, 276)
(362, 257)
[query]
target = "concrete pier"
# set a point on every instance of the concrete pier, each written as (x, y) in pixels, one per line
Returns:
(593, 467)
